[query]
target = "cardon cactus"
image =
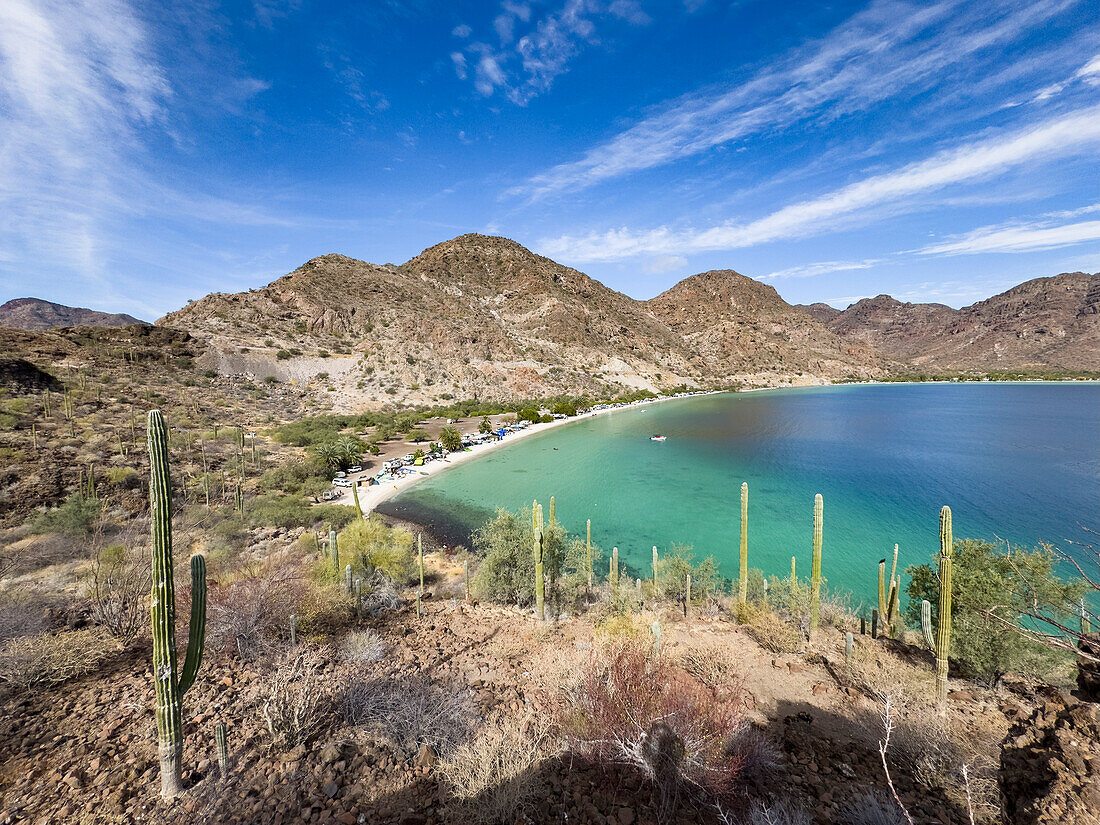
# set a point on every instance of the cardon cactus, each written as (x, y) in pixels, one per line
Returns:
(943, 631)
(588, 549)
(551, 510)
(170, 683)
(334, 551)
(882, 591)
(655, 565)
(815, 566)
(223, 749)
(743, 580)
(540, 581)
(613, 573)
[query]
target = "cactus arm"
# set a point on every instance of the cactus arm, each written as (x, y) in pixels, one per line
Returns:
(815, 567)
(196, 631)
(926, 624)
(588, 548)
(551, 511)
(743, 579)
(655, 564)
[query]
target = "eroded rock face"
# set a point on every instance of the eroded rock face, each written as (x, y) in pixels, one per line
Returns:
(1088, 669)
(1050, 766)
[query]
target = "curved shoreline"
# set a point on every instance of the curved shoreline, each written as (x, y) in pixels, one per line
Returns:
(371, 497)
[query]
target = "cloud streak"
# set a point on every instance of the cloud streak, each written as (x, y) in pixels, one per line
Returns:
(1061, 136)
(890, 49)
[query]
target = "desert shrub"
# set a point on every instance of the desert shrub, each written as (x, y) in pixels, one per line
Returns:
(775, 813)
(380, 595)
(324, 611)
(250, 611)
(632, 708)
(300, 477)
(529, 414)
(770, 631)
(372, 546)
(120, 590)
(712, 667)
(492, 773)
(506, 573)
(126, 477)
(23, 611)
(75, 517)
(411, 710)
(991, 589)
(273, 510)
(52, 658)
(674, 567)
(362, 646)
(296, 703)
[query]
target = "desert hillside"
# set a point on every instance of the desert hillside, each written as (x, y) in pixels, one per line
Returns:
(484, 316)
(36, 314)
(1044, 323)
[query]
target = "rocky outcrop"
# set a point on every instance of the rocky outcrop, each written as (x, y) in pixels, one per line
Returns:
(1088, 668)
(1050, 766)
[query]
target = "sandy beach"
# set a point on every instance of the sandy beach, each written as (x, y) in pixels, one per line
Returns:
(371, 497)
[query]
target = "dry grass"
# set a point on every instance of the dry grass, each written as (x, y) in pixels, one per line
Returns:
(710, 665)
(295, 697)
(49, 658)
(362, 646)
(491, 775)
(770, 631)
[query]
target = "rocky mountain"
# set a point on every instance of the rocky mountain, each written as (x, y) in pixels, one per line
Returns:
(484, 316)
(36, 314)
(735, 327)
(1045, 323)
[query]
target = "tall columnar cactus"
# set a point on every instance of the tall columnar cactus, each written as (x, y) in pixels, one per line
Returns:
(892, 599)
(540, 581)
(551, 511)
(334, 551)
(656, 590)
(815, 567)
(882, 591)
(355, 497)
(794, 586)
(420, 559)
(926, 624)
(239, 498)
(687, 596)
(614, 571)
(943, 631)
(170, 683)
(743, 580)
(588, 549)
(534, 515)
(1086, 625)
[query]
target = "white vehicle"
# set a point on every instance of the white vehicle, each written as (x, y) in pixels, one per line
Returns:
(355, 469)
(341, 482)
(341, 474)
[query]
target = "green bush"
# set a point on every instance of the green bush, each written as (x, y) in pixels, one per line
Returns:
(529, 414)
(991, 589)
(564, 408)
(545, 419)
(275, 510)
(674, 567)
(370, 545)
(301, 477)
(75, 517)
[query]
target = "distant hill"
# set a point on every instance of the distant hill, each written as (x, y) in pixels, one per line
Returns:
(734, 327)
(1044, 323)
(36, 314)
(480, 315)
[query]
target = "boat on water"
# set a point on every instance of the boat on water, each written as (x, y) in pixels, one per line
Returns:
(658, 437)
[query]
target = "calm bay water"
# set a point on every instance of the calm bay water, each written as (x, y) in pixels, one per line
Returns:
(1018, 462)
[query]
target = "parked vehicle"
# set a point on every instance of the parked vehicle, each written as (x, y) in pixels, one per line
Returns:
(355, 469)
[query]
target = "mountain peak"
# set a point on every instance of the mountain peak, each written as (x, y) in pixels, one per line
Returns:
(38, 314)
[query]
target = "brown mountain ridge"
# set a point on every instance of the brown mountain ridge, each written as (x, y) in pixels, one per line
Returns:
(37, 314)
(1044, 323)
(480, 315)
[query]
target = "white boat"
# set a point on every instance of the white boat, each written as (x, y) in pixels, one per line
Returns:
(658, 437)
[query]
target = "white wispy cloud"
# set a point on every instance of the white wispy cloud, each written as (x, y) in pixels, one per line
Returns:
(820, 268)
(1058, 137)
(525, 65)
(890, 48)
(1017, 237)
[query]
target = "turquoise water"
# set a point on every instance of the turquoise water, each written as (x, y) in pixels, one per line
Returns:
(1017, 462)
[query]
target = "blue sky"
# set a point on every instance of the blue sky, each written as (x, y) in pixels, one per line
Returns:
(155, 152)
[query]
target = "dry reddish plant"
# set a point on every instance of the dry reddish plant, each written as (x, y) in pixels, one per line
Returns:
(250, 611)
(634, 708)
